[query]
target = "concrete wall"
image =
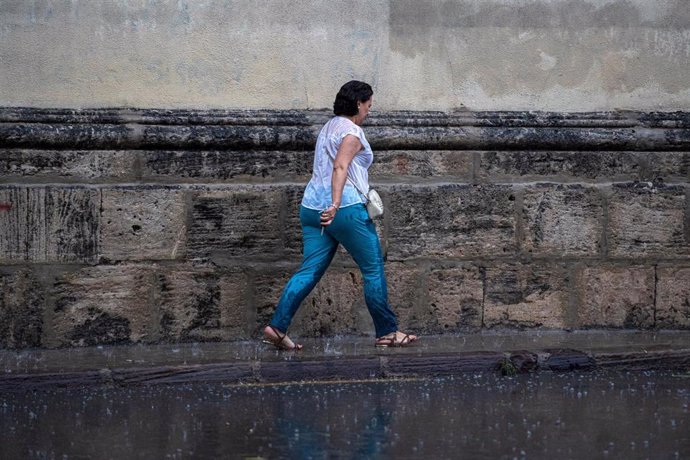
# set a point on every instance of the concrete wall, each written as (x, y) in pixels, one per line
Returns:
(561, 55)
(121, 226)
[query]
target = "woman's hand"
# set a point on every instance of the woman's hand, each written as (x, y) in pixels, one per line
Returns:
(328, 214)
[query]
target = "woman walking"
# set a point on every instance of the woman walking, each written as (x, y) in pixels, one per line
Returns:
(334, 212)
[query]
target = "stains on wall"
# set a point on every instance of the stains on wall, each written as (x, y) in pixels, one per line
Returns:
(557, 55)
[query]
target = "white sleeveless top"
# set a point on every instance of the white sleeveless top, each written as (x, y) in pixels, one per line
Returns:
(317, 195)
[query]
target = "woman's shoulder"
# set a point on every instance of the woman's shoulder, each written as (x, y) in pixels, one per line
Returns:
(344, 126)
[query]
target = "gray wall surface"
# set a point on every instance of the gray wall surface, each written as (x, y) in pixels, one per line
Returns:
(560, 55)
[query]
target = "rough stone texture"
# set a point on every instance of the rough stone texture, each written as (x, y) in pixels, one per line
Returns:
(647, 220)
(616, 297)
(105, 304)
(238, 222)
(410, 164)
(667, 166)
(250, 165)
(562, 220)
(451, 221)
(518, 295)
(202, 304)
(293, 227)
(509, 166)
(673, 298)
(143, 223)
(68, 165)
(455, 297)
(22, 224)
(404, 296)
(22, 302)
(52, 224)
(72, 224)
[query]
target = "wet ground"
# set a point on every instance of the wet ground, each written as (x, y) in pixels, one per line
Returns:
(598, 414)
(342, 358)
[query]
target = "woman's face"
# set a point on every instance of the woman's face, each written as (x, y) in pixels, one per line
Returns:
(364, 108)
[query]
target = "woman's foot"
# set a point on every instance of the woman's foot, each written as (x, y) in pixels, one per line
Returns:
(279, 340)
(396, 339)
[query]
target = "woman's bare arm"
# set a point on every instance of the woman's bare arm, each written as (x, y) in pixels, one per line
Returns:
(346, 152)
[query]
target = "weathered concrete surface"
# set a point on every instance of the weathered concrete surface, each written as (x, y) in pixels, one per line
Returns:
(343, 358)
(554, 54)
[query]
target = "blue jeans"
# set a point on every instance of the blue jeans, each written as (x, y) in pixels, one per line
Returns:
(352, 228)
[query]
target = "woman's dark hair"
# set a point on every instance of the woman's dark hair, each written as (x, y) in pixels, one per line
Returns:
(350, 95)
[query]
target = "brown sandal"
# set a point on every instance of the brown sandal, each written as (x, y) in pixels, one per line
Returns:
(394, 342)
(279, 341)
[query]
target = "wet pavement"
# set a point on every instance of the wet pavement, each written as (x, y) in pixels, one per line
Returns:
(345, 358)
(603, 394)
(596, 414)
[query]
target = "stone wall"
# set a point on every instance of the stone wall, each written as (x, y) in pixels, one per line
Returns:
(122, 226)
(557, 55)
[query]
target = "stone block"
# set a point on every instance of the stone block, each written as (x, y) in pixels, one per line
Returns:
(647, 221)
(237, 222)
(673, 298)
(143, 223)
(450, 221)
(201, 304)
(455, 297)
(51, 224)
(72, 224)
(72, 165)
(22, 224)
(420, 164)
(405, 298)
(237, 316)
(513, 166)
(616, 297)
(293, 227)
(518, 295)
(22, 303)
(667, 166)
(105, 304)
(562, 220)
(215, 166)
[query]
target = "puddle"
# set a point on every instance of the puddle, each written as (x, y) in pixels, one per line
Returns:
(602, 414)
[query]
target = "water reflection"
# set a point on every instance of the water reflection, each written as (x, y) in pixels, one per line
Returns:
(599, 414)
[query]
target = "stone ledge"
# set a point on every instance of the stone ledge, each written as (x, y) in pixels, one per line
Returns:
(191, 130)
(677, 119)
